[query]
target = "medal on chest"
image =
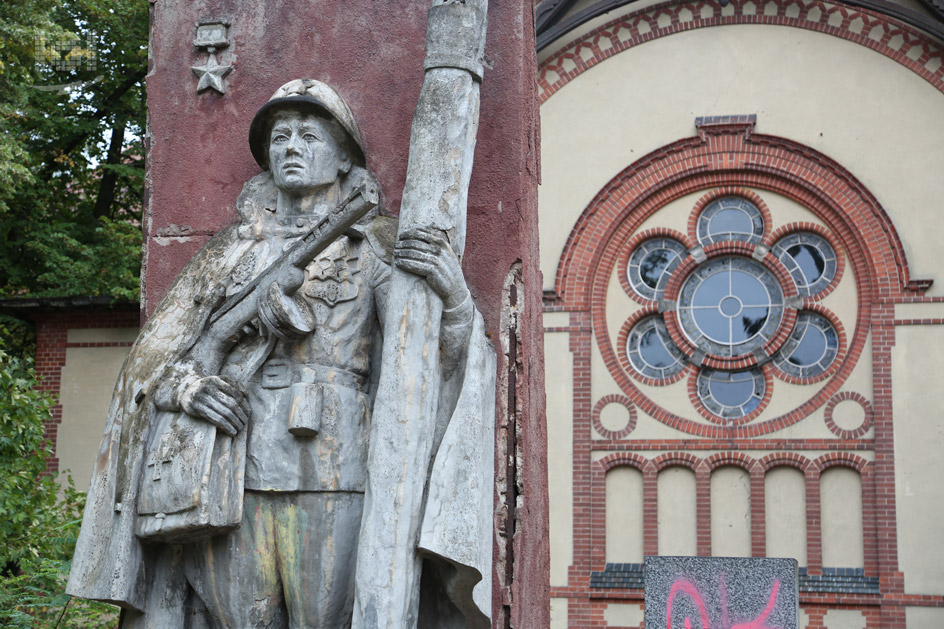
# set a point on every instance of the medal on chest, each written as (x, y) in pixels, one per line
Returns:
(331, 275)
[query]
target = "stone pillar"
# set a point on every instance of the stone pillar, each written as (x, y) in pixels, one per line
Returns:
(372, 53)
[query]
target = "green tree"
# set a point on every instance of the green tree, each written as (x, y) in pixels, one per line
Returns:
(39, 519)
(71, 158)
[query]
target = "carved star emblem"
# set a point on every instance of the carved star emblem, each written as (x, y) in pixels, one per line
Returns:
(211, 75)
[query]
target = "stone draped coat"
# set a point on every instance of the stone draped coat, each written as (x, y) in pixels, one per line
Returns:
(112, 565)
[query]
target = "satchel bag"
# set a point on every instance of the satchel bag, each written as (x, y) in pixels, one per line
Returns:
(192, 481)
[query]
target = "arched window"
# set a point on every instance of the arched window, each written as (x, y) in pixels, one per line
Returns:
(785, 513)
(624, 509)
(678, 515)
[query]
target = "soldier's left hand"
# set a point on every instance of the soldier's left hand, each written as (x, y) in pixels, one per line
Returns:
(424, 252)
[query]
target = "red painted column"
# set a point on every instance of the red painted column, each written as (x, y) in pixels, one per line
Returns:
(372, 53)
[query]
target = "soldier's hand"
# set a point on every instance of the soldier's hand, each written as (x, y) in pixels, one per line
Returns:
(284, 312)
(426, 253)
(218, 400)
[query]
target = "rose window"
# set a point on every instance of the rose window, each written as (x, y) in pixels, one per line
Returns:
(729, 306)
(738, 308)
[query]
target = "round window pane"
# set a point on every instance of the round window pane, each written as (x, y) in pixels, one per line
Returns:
(651, 263)
(810, 259)
(730, 218)
(731, 395)
(811, 348)
(730, 306)
(651, 352)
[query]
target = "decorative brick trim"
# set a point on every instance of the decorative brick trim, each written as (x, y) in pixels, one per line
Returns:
(623, 338)
(840, 459)
(638, 239)
(731, 155)
(623, 459)
(856, 218)
(623, 401)
(859, 399)
(727, 423)
(767, 162)
(785, 459)
(793, 228)
(727, 191)
(682, 459)
(903, 44)
(717, 250)
(710, 445)
(730, 459)
(813, 306)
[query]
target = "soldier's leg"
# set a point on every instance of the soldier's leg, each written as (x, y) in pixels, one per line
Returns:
(236, 575)
(167, 591)
(317, 541)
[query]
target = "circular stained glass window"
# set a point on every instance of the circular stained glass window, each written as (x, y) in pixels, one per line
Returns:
(730, 218)
(810, 259)
(811, 348)
(651, 352)
(731, 395)
(730, 306)
(651, 263)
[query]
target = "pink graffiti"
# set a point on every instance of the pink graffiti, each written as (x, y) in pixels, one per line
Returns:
(684, 586)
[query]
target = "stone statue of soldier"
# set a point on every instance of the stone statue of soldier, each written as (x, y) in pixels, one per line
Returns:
(295, 389)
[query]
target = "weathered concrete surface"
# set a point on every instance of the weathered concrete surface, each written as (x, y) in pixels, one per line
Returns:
(373, 55)
(721, 592)
(403, 426)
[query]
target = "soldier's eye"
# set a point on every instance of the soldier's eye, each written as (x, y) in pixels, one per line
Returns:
(280, 138)
(310, 137)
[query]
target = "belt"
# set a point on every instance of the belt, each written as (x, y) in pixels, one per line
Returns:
(278, 374)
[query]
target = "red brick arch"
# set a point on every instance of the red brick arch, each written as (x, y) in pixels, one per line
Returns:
(730, 459)
(785, 459)
(726, 154)
(903, 44)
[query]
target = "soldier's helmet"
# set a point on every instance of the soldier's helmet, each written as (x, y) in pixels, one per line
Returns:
(304, 95)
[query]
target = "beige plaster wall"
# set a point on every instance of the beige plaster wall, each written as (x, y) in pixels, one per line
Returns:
(88, 380)
(918, 400)
(559, 613)
(785, 518)
(677, 512)
(924, 617)
(624, 523)
(841, 516)
(623, 108)
(844, 619)
(730, 512)
(559, 363)
(623, 615)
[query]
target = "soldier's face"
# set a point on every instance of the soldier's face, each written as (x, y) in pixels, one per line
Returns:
(303, 155)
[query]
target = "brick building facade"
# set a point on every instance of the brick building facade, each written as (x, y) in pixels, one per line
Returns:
(679, 422)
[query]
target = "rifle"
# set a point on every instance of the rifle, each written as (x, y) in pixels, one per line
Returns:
(224, 327)
(193, 479)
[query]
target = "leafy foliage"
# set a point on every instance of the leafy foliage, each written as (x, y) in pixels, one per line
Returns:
(71, 158)
(39, 520)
